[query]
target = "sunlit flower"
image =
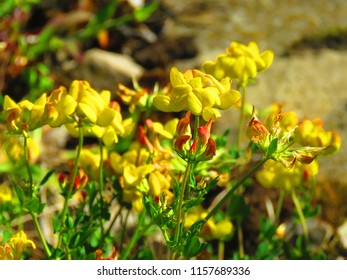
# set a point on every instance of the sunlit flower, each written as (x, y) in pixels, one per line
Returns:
(240, 61)
(95, 112)
(275, 175)
(197, 92)
(312, 133)
(19, 242)
(277, 142)
(25, 116)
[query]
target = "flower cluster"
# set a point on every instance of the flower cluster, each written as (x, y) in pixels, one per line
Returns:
(240, 62)
(200, 93)
(203, 146)
(13, 249)
(81, 106)
(280, 141)
(273, 175)
(146, 168)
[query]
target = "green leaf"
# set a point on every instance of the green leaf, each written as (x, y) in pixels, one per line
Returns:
(20, 193)
(193, 248)
(46, 177)
(272, 147)
(192, 203)
(144, 13)
(35, 206)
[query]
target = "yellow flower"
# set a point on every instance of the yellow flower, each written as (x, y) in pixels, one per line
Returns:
(135, 184)
(19, 242)
(26, 116)
(65, 106)
(5, 193)
(133, 98)
(277, 142)
(212, 229)
(90, 162)
(82, 105)
(158, 183)
(6, 252)
(275, 175)
(240, 61)
(198, 93)
(312, 133)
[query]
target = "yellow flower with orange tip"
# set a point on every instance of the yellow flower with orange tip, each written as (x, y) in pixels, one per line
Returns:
(18, 243)
(133, 98)
(25, 116)
(197, 92)
(6, 252)
(277, 142)
(240, 61)
(275, 175)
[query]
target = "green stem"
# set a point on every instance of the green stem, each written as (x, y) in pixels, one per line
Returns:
(221, 249)
(242, 111)
(70, 187)
(279, 205)
(101, 189)
(240, 240)
(180, 203)
(113, 221)
(26, 160)
(124, 227)
(40, 234)
(136, 236)
(31, 187)
(300, 213)
(233, 189)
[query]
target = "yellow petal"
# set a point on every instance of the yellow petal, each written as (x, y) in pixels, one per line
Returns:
(105, 117)
(194, 104)
(176, 77)
(88, 111)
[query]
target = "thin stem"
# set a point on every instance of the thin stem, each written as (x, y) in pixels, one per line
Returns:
(70, 187)
(279, 205)
(242, 111)
(135, 236)
(113, 221)
(233, 189)
(101, 189)
(240, 240)
(124, 227)
(221, 249)
(300, 213)
(26, 160)
(40, 234)
(31, 187)
(180, 203)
